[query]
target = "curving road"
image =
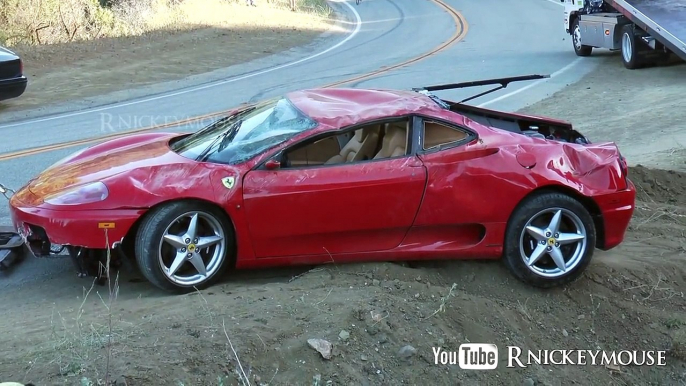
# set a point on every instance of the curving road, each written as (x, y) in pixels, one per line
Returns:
(488, 41)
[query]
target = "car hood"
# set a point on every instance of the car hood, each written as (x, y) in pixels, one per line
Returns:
(140, 153)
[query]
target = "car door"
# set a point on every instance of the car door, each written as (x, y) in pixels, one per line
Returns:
(460, 186)
(343, 208)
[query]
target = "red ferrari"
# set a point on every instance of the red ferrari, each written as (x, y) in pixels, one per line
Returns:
(336, 175)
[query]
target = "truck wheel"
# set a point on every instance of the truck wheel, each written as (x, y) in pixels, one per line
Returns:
(580, 49)
(630, 54)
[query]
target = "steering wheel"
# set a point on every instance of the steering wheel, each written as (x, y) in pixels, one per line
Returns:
(285, 161)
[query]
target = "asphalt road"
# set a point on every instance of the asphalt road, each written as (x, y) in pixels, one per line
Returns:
(502, 39)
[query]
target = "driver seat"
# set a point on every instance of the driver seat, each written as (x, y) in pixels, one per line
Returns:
(360, 147)
(394, 141)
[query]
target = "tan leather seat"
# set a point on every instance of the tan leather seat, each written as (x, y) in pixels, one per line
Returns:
(394, 141)
(360, 147)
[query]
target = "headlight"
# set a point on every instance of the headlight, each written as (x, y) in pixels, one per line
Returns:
(79, 195)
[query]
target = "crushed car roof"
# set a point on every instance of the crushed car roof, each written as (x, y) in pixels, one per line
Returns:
(342, 107)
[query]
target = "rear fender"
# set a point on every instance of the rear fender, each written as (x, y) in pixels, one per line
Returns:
(599, 168)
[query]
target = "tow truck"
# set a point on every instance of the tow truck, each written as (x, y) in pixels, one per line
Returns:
(644, 31)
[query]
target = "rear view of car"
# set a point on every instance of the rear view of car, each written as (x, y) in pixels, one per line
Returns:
(12, 79)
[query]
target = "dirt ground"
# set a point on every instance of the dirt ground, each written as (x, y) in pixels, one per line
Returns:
(258, 323)
(231, 35)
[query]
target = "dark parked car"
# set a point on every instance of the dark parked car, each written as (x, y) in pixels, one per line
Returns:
(12, 79)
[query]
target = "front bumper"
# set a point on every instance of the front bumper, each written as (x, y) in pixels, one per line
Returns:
(616, 211)
(12, 88)
(41, 227)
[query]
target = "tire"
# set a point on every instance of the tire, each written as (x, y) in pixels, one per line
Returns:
(520, 244)
(630, 53)
(580, 49)
(155, 256)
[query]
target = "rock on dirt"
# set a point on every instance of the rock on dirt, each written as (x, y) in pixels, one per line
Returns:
(322, 346)
(407, 352)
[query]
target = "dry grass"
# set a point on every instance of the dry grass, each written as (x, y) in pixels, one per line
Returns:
(84, 346)
(80, 348)
(38, 22)
(444, 301)
(82, 343)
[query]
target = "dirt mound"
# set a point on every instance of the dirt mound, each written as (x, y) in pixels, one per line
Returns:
(659, 186)
(383, 322)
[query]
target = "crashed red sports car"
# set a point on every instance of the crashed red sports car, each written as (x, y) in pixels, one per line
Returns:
(343, 175)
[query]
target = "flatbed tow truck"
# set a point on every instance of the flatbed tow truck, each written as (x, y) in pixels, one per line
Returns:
(643, 30)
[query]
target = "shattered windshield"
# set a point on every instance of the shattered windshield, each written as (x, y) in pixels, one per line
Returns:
(244, 135)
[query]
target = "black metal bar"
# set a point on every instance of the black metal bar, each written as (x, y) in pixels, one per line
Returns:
(501, 81)
(482, 94)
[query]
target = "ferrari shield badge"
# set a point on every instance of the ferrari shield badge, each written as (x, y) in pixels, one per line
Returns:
(228, 182)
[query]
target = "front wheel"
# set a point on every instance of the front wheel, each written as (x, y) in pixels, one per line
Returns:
(580, 49)
(549, 240)
(184, 245)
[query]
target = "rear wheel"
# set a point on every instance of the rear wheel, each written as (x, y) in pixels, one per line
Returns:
(184, 245)
(580, 49)
(630, 55)
(550, 240)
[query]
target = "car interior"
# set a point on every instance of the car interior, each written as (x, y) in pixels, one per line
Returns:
(371, 142)
(437, 134)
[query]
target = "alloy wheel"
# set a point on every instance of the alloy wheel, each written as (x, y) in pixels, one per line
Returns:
(553, 242)
(192, 248)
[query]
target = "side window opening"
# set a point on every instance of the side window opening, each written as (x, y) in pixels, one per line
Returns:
(370, 142)
(437, 134)
(316, 153)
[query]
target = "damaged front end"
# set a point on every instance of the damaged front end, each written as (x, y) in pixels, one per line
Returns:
(88, 262)
(98, 263)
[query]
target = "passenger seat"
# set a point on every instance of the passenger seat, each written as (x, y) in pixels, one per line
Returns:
(360, 147)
